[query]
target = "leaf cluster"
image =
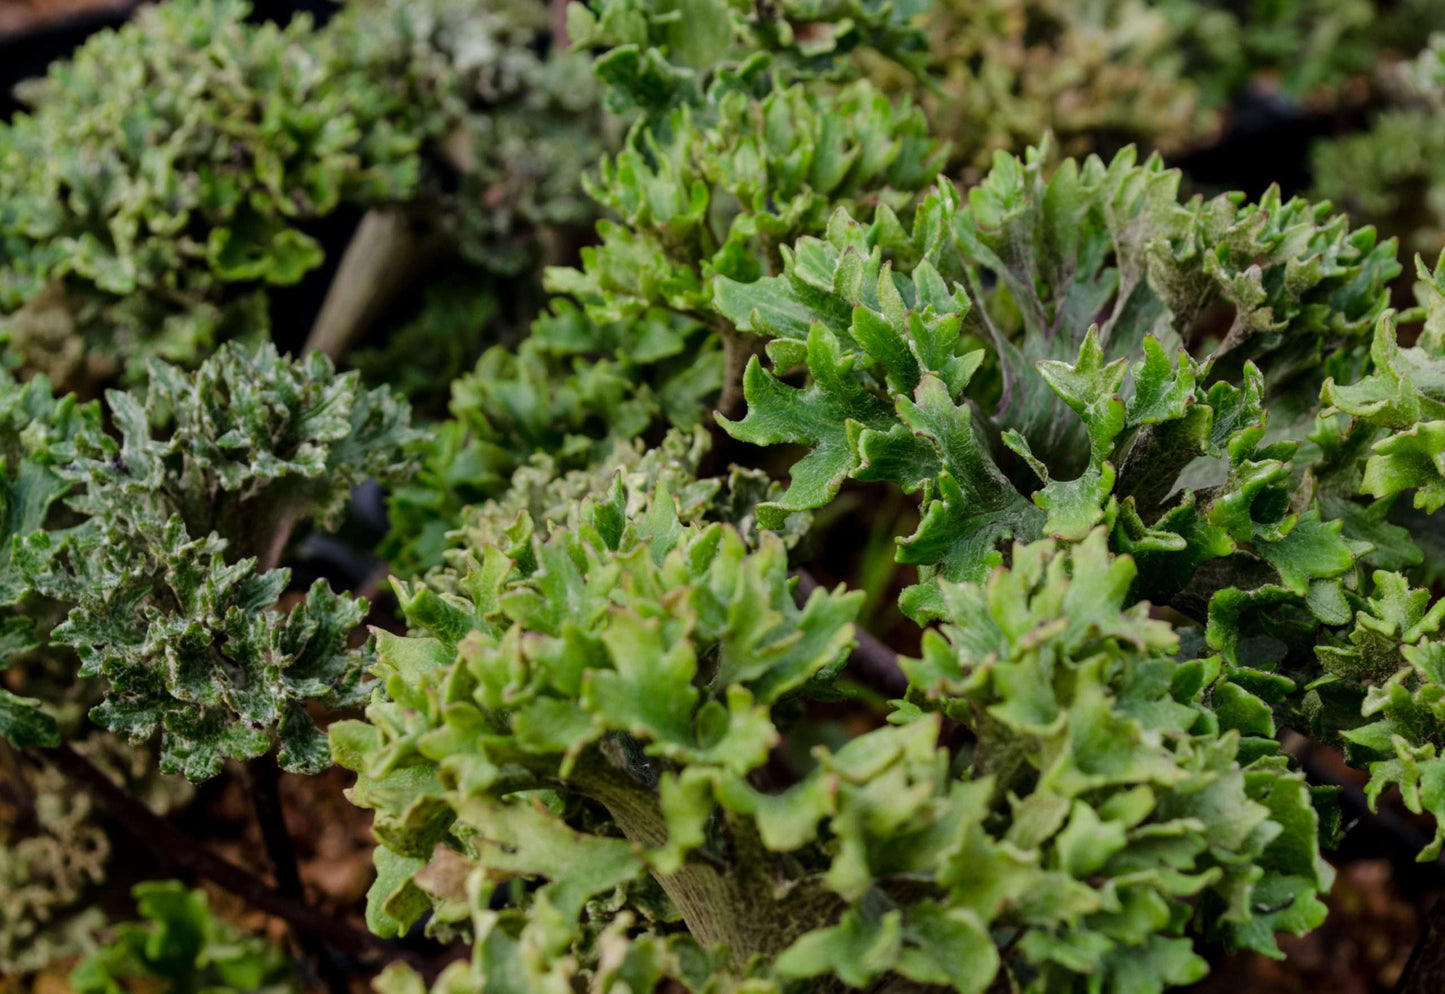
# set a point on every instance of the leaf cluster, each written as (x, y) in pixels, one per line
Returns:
(725, 184)
(175, 169)
(1311, 48)
(512, 122)
(1097, 76)
(719, 191)
(1259, 476)
(174, 158)
(54, 854)
(658, 55)
(567, 756)
(1389, 173)
(181, 945)
(571, 394)
(1153, 72)
(156, 553)
(1020, 376)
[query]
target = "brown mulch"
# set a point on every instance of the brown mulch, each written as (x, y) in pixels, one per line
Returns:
(17, 16)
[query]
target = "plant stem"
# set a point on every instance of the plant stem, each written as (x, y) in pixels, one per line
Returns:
(738, 348)
(265, 793)
(872, 662)
(261, 783)
(557, 10)
(19, 787)
(180, 851)
(286, 523)
(738, 904)
(384, 258)
(1424, 973)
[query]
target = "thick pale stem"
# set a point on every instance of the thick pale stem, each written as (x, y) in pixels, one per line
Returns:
(557, 10)
(286, 522)
(747, 905)
(750, 906)
(387, 255)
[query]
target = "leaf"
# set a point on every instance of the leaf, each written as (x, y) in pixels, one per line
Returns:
(1312, 549)
(180, 943)
(855, 951)
(394, 903)
(161, 599)
(818, 415)
(523, 838)
(976, 507)
(22, 723)
(1410, 460)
